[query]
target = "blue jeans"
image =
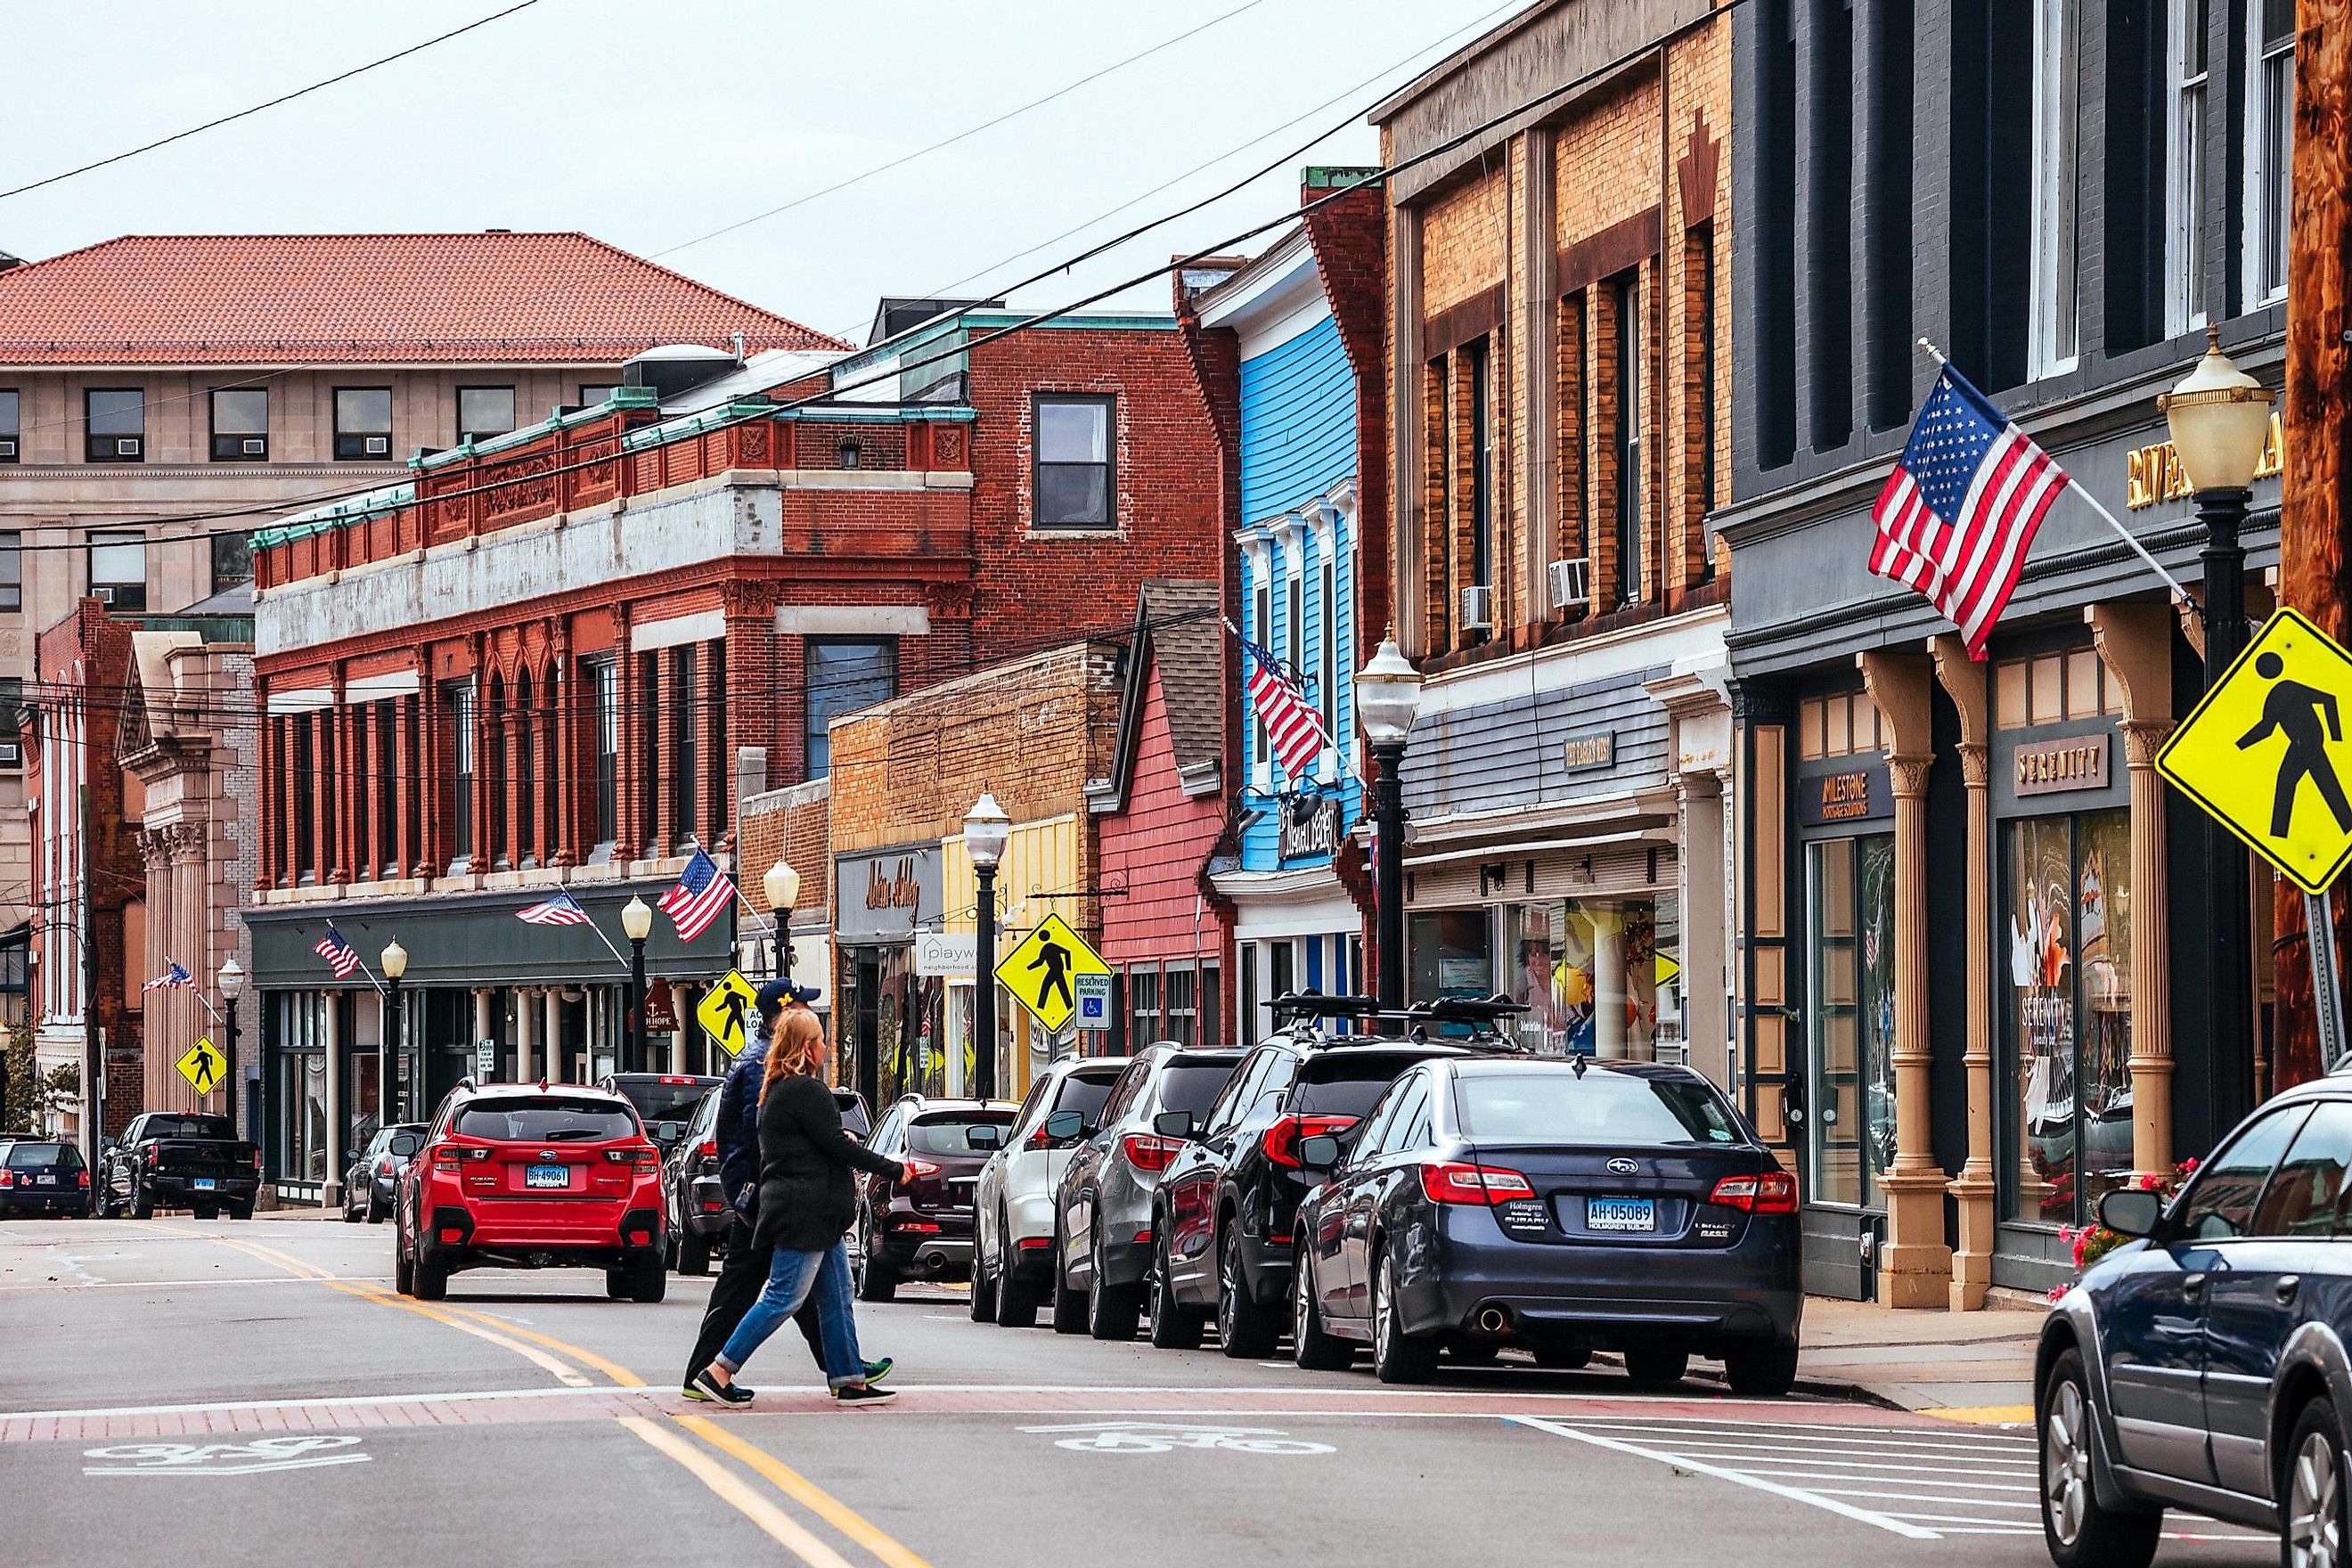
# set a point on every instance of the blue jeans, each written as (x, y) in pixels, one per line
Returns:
(789, 1280)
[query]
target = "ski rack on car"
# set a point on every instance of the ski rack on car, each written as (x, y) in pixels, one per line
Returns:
(1483, 1016)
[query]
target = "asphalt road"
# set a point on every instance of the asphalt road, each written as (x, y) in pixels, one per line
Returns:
(255, 1394)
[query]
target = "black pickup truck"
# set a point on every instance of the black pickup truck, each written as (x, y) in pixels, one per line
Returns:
(181, 1160)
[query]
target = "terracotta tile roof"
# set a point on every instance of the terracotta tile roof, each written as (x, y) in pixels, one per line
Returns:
(359, 298)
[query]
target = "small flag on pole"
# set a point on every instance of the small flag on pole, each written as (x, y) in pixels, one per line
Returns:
(341, 956)
(701, 892)
(1292, 726)
(174, 978)
(562, 909)
(1960, 510)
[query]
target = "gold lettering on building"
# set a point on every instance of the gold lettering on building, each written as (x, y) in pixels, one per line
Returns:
(1845, 796)
(2153, 474)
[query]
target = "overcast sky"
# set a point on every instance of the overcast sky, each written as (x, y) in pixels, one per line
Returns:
(651, 125)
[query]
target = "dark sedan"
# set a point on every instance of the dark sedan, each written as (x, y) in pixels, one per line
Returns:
(1558, 1207)
(42, 1176)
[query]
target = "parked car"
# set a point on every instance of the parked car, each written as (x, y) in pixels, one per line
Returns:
(1012, 1206)
(517, 1176)
(178, 1158)
(1560, 1206)
(1222, 1217)
(665, 1101)
(2206, 1365)
(371, 1181)
(1103, 1206)
(42, 1176)
(923, 1225)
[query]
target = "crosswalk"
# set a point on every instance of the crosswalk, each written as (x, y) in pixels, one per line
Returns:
(1923, 1483)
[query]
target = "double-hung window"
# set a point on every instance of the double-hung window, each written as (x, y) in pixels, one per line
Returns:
(2270, 146)
(2184, 186)
(241, 424)
(1262, 630)
(596, 397)
(12, 573)
(364, 424)
(844, 675)
(604, 681)
(2054, 329)
(115, 425)
(483, 411)
(117, 569)
(1074, 484)
(457, 709)
(11, 427)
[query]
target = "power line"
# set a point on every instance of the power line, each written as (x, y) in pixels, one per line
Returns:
(282, 98)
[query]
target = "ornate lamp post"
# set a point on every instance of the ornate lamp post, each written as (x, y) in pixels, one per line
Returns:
(1388, 699)
(783, 887)
(985, 830)
(394, 958)
(231, 981)
(637, 923)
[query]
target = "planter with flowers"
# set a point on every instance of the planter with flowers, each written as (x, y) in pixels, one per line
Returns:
(2095, 1241)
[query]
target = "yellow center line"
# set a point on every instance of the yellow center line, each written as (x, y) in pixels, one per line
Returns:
(620, 1374)
(806, 1492)
(734, 1491)
(569, 1375)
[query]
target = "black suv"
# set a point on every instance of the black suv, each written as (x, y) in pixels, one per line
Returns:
(1222, 1215)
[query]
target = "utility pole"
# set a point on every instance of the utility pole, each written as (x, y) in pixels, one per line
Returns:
(93, 1069)
(2316, 495)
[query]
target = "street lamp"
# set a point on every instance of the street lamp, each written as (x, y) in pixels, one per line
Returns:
(985, 830)
(2221, 418)
(1388, 699)
(231, 980)
(637, 923)
(394, 958)
(783, 885)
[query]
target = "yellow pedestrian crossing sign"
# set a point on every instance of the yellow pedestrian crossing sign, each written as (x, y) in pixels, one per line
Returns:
(2265, 753)
(726, 1011)
(1045, 970)
(204, 1066)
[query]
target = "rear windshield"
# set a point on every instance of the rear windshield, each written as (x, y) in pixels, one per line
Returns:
(188, 1127)
(1194, 1086)
(1599, 1107)
(665, 1101)
(1346, 1082)
(549, 1120)
(948, 1132)
(1086, 1095)
(853, 1111)
(26, 1157)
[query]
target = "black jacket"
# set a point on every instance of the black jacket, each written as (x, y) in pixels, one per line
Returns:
(738, 1129)
(806, 1198)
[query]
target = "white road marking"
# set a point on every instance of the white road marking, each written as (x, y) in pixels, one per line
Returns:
(358, 1399)
(292, 1453)
(1167, 1436)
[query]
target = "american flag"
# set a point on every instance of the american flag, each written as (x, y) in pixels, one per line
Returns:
(562, 909)
(173, 978)
(341, 956)
(702, 891)
(1960, 510)
(1291, 725)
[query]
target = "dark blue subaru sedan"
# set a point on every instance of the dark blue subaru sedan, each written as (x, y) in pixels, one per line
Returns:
(2204, 1366)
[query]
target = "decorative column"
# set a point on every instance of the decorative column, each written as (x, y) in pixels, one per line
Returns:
(664, 724)
(482, 1030)
(2135, 642)
(478, 858)
(627, 845)
(405, 814)
(1915, 1267)
(1974, 1189)
(563, 765)
(550, 1033)
(508, 724)
(330, 1194)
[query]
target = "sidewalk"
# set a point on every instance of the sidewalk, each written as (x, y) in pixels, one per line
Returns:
(1966, 1366)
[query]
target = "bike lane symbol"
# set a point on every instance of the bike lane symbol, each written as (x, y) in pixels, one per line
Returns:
(1166, 1437)
(223, 1458)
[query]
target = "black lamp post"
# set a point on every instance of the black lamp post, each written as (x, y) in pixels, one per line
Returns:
(637, 923)
(2219, 418)
(783, 887)
(985, 830)
(1388, 698)
(394, 958)
(232, 979)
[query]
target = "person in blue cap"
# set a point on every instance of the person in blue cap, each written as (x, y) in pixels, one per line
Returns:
(745, 1272)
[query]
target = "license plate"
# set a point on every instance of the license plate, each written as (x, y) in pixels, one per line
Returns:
(1621, 1214)
(204, 1183)
(547, 1176)
(44, 1181)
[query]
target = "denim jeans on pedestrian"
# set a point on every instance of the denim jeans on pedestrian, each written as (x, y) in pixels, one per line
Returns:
(790, 1278)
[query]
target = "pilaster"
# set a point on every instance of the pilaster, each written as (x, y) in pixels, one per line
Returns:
(1974, 1189)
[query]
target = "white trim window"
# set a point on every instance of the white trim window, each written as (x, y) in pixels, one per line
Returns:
(1327, 698)
(2184, 167)
(2270, 145)
(1261, 632)
(2055, 333)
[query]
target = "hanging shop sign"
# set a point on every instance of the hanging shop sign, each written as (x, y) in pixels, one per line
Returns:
(1857, 795)
(1317, 833)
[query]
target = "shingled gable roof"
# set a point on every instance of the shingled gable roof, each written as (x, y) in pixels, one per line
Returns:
(1177, 634)
(492, 297)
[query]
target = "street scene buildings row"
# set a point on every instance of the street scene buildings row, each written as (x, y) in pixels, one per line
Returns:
(1583, 396)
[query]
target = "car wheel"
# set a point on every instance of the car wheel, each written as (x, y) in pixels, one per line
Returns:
(984, 1289)
(142, 1203)
(1113, 1311)
(1397, 1357)
(2311, 1492)
(1174, 1326)
(1246, 1331)
(1563, 1358)
(616, 1284)
(1654, 1366)
(1069, 1306)
(648, 1281)
(237, 1211)
(693, 1254)
(432, 1280)
(875, 1281)
(2080, 1531)
(1310, 1346)
(404, 1272)
(376, 1209)
(204, 1211)
(353, 1213)
(1762, 1371)
(1017, 1299)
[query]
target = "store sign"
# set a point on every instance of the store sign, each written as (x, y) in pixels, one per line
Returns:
(1317, 833)
(890, 895)
(952, 955)
(2056, 767)
(1855, 796)
(2154, 474)
(661, 1008)
(1579, 753)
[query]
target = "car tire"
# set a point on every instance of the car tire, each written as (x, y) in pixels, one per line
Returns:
(984, 1290)
(2312, 1490)
(376, 1209)
(1563, 1357)
(1764, 1371)
(616, 1284)
(204, 1211)
(353, 1214)
(1174, 1326)
(1113, 1311)
(648, 1281)
(404, 1272)
(1397, 1357)
(693, 1254)
(142, 1203)
(237, 1211)
(432, 1280)
(1246, 1331)
(1310, 1346)
(2080, 1531)
(1069, 1306)
(877, 1281)
(1655, 1367)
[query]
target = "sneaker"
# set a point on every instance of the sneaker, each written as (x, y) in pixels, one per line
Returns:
(708, 1388)
(858, 1397)
(876, 1371)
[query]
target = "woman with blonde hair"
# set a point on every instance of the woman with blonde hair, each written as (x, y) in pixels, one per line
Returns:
(806, 1204)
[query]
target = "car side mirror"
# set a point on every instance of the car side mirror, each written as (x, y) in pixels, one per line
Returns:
(2131, 1211)
(1320, 1153)
(1175, 1124)
(665, 1131)
(979, 1139)
(1064, 1125)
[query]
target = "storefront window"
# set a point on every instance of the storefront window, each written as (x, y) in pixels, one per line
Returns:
(1453, 954)
(1850, 1015)
(1590, 972)
(2067, 901)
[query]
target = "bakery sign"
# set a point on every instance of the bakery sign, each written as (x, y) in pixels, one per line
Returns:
(1858, 794)
(2056, 767)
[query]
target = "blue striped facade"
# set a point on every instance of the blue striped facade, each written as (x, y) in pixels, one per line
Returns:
(1299, 422)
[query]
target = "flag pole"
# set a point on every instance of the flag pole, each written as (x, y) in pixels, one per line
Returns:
(597, 929)
(2180, 594)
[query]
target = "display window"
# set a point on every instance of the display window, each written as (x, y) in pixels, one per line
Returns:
(1850, 1018)
(1598, 977)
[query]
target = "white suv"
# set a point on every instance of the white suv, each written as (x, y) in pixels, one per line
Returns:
(1013, 1207)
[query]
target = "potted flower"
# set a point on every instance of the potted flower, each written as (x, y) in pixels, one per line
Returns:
(2094, 1241)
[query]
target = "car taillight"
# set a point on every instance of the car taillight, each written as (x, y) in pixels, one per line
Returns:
(647, 1158)
(1282, 1138)
(1150, 1152)
(710, 1149)
(1458, 1182)
(8, 1177)
(449, 1156)
(1774, 1192)
(918, 1169)
(149, 1156)
(83, 1180)
(673, 1077)
(256, 1161)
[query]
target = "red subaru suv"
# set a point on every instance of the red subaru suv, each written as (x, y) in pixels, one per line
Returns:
(533, 1176)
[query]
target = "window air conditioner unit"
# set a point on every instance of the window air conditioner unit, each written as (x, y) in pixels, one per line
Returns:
(1571, 583)
(254, 446)
(12, 755)
(1478, 609)
(103, 596)
(126, 445)
(7, 447)
(379, 446)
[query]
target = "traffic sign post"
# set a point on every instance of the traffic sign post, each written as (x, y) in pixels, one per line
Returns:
(1045, 973)
(725, 1012)
(203, 1065)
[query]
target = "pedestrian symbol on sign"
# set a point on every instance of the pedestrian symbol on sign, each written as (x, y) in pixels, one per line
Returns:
(725, 1012)
(203, 1065)
(1048, 972)
(2293, 709)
